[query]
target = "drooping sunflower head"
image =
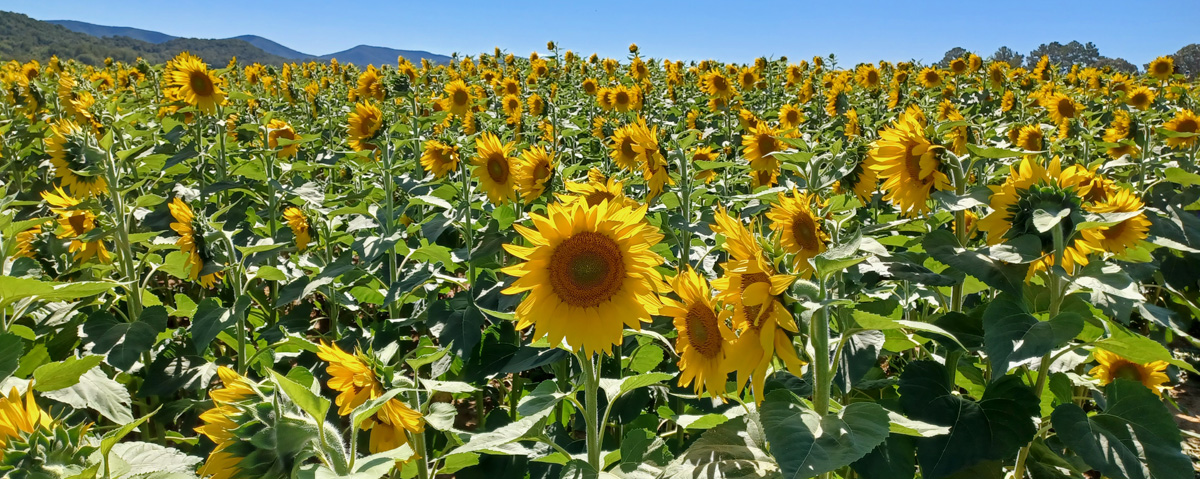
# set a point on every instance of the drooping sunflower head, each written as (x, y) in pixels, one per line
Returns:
(439, 158)
(298, 222)
(77, 161)
(277, 129)
(703, 338)
(352, 377)
(201, 265)
(197, 86)
(598, 190)
(363, 126)
(370, 85)
(908, 163)
(1111, 366)
(588, 272)
(534, 170)
(493, 168)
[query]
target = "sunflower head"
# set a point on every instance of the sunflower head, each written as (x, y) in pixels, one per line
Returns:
(493, 166)
(1161, 68)
(798, 229)
(277, 129)
(908, 163)
(195, 85)
(703, 338)
(1111, 366)
(533, 172)
(77, 161)
(458, 100)
(363, 126)
(1126, 233)
(1140, 97)
(588, 272)
(439, 158)
(36, 446)
(200, 263)
(1184, 122)
(298, 222)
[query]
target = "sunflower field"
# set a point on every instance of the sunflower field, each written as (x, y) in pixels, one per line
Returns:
(555, 266)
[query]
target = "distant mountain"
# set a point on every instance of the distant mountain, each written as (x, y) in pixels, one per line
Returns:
(359, 55)
(366, 54)
(23, 38)
(106, 31)
(273, 48)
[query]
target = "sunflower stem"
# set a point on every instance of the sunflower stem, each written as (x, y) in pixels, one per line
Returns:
(819, 335)
(591, 387)
(1043, 372)
(418, 439)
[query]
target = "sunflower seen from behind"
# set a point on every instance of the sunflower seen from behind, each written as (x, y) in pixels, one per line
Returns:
(493, 165)
(77, 162)
(588, 272)
(20, 416)
(703, 338)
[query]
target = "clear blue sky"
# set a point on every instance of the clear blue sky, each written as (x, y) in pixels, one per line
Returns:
(732, 30)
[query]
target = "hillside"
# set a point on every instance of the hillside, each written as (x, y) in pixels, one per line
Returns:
(107, 31)
(366, 54)
(23, 38)
(273, 48)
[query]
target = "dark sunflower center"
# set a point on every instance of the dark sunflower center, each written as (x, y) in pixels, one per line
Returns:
(1127, 370)
(622, 98)
(766, 144)
(1066, 108)
(201, 84)
(719, 83)
(1139, 98)
(1187, 126)
(541, 171)
(872, 77)
(702, 330)
(497, 168)
(1162, 68)
(804, 231)
(77, 224)
(627, 148)
(461, 97)
(752, 312)
(793, 116)
(587, 269)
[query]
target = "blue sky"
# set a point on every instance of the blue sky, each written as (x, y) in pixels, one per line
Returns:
(854, 30)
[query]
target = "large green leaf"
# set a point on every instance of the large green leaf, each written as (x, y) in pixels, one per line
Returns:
(894, 459)
(13, 289)
(1011, 334)
(11, 347)
(96, 391)
(124, 342)
(733, 450)
(943, 246)
(993, 428)
(806, 444)
(63, 374)
(1133, 438)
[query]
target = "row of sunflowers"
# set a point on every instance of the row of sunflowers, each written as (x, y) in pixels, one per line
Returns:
(564, 266)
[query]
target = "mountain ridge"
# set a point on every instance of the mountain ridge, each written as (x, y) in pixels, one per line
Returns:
(360, 54)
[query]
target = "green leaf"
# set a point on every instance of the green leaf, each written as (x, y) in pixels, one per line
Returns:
(993, 428)
(13, 289)
(1138, 348)
(1011, 335)
(805, 444)
(542, 398)
(614, 388)
(1181, 176)
(733, 450)
(11, 348)
(458, 325)
(316, 406)
(115, 436)
(943, 246)
(1133, 438)
(868, 320)
(151, 460)
(63, 374)
(527, 427)
(646, 358)
(894, 459)
(96, 391)
(211, 319)
(123, 343)
(993, 153)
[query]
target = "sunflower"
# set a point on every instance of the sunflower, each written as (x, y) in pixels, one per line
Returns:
(1119, 131)
(1029, 187)
(862, 181)
(959, 66)
(930, 78)
(1112, 366)
(1007, 101)
(590, 86)
(1184, 122)
(1119, 237)
(908, 164)
(369, 84)
(1060, 107)
(509, 86)
(363, 125)
(650, 157)
(596, 191)
(589, 271)
(25, 247)
(357, 383)
(604, 98)
(853, 128)
(751, 285)
(1030, 138)
(19, 417)
(798, 228)
(704, 153)
(75, 223)
(439, 158)
(868, 76)
(715, 84)
(277, 129)
(621, 148)
(996, 75)
(511, 104)
(493, 168)
(298, 222)
(537, 105)
(76, 163)
(1161, 68)
(218, 422)
(625, 99)
(702, 339)
(790, 117)
(534, 168)
(192, 244)
(757, 147)
(195, 84)
(1140, 97)
(458, 98)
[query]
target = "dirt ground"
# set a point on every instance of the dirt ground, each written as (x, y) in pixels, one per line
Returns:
(1187, 396)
